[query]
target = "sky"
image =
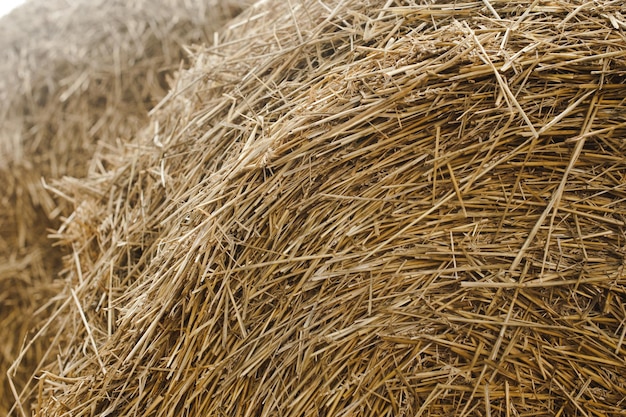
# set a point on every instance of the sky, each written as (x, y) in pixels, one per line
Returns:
(7, 5)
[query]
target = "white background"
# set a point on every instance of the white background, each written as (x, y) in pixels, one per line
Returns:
(7, 5)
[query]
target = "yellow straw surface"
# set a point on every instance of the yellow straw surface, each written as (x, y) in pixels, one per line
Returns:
(360, 208)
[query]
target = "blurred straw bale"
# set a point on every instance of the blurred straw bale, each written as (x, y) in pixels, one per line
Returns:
(76, 77)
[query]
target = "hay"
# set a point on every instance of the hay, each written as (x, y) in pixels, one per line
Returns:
(362, 208)
(75, 75)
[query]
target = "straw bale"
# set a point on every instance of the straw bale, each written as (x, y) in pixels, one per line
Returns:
(74, 76)
(361, 207)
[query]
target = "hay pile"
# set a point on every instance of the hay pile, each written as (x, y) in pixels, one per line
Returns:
(74, 76)
(376, 208)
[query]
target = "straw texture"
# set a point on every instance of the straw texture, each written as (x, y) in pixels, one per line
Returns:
(74, 76)
(372, 208)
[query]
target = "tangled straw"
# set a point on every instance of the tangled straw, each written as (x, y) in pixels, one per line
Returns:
(361, 208)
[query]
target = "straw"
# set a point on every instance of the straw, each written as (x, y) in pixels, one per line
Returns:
(361, 208)
(76, 77)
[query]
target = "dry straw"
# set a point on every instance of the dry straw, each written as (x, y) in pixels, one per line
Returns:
(361, 208)
(74, 75)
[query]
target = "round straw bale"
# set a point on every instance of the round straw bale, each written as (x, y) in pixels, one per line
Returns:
(74, 76)
(362, 208)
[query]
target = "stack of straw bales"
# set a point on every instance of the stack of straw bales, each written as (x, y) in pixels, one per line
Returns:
(361, 207)
(74, 76)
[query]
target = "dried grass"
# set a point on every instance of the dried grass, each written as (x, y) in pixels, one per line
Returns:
(74, 75)
(361, 208)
